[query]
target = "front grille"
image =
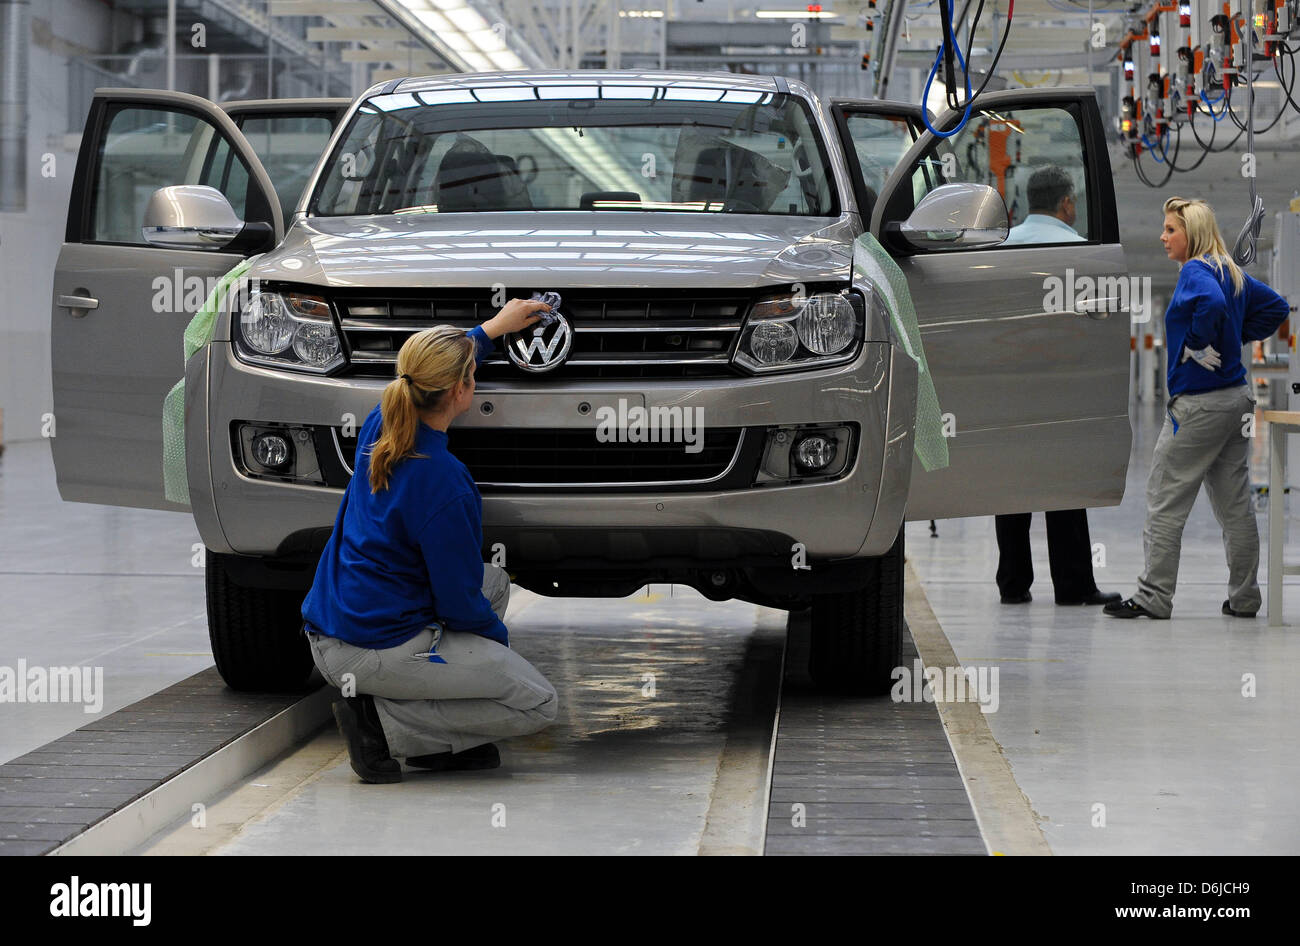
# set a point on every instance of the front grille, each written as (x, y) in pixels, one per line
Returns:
(616, 334)
(558, 457)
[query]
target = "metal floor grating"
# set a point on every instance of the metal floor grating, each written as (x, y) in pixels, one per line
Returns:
(59, 790)
(872, 776)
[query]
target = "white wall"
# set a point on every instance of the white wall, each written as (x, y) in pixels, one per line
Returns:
(29, 241)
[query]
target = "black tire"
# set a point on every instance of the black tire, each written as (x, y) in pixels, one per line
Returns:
(255, 633)
(857, 636)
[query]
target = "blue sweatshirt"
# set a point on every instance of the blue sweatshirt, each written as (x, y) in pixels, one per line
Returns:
(1205, 311)
(408, 555)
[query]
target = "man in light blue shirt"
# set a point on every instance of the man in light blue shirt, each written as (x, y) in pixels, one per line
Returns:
(1069, 544)
(1051, 209)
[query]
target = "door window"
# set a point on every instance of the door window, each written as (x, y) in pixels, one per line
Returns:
(879, 142)
(1033, 157)
(144, 149)
(227, 174)
(288, 147)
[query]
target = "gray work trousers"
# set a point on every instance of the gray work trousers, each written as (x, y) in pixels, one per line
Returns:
(481, 692)
(1212, 447)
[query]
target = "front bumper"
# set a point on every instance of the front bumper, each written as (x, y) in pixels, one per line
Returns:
(857, 514)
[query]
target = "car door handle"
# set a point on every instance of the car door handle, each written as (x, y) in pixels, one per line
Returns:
(79, 305)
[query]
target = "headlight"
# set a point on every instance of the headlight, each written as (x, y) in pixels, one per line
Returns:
(792, 331)
(266, 325)
(289, 330)
(826, 324)
(773, 342)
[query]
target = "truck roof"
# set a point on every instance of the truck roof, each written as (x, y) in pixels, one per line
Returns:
(583, 77)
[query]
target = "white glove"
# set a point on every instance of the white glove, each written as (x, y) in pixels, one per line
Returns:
(1206, 357)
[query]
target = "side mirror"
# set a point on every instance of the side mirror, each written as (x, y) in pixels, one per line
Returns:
(198, 217)
(956, 216)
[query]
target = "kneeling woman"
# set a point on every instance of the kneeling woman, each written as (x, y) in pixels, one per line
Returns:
(403, 616)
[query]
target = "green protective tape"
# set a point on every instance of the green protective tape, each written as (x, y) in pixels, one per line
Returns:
(176, 484)
(872, 264)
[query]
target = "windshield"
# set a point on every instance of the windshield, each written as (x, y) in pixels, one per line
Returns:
(609, 147)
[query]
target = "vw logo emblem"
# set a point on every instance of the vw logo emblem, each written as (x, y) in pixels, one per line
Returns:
(540, 348)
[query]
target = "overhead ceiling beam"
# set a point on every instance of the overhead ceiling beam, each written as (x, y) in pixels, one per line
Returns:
(364, 34)
(326, 8)
(384, 54)
(383, 75)
(421, 33)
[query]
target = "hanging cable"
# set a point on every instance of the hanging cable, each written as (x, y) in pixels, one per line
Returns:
(1247, 241)
(1205, 152)
(997, 56)
(1214, 130)
(1287, 87)
(1209, 106)
(1143, 133)
(1147, 181)
(950, 50)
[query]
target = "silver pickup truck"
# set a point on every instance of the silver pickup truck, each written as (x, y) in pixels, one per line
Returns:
(703, 233)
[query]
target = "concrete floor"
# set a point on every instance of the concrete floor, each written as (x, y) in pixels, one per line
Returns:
(91, 585)
(1145, 719)
(625, 769)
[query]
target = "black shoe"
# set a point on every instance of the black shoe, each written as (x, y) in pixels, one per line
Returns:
(367, 748)
(485, 756)
(1097, 597)
(1227, 609)
(1017, 599)
(1128, 608)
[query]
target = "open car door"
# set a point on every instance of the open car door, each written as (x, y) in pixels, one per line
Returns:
(288, 136)
(876, 136)
(1027, 340)
(121, 305)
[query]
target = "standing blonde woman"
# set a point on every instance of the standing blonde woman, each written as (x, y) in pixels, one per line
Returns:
(403, 616)
(1215, 309)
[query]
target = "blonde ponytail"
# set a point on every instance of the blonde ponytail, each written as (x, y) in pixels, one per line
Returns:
(428, 365)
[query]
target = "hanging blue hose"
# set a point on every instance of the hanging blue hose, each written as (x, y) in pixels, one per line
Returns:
(1164, 149)
(925, 95)
(1209, 106)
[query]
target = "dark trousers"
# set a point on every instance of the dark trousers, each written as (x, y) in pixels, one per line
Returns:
(1069, 551)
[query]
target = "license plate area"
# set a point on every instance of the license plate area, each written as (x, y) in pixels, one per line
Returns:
(546, 408)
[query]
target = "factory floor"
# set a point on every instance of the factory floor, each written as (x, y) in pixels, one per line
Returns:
(1133, 736)
(1124, 736)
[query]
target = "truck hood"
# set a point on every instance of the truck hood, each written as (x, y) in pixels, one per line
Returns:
(592, 249)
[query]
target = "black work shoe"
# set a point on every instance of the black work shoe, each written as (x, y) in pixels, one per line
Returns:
(367, 749)
(1017, 599)
(485, 756)
(1227, 609)
(1097, 597)
(1128, 608)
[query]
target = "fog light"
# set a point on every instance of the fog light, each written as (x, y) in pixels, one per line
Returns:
(814, 453)
(272, 451)
(804, 453)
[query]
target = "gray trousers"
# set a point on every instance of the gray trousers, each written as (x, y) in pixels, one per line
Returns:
(1212, 447)
(483, 691)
